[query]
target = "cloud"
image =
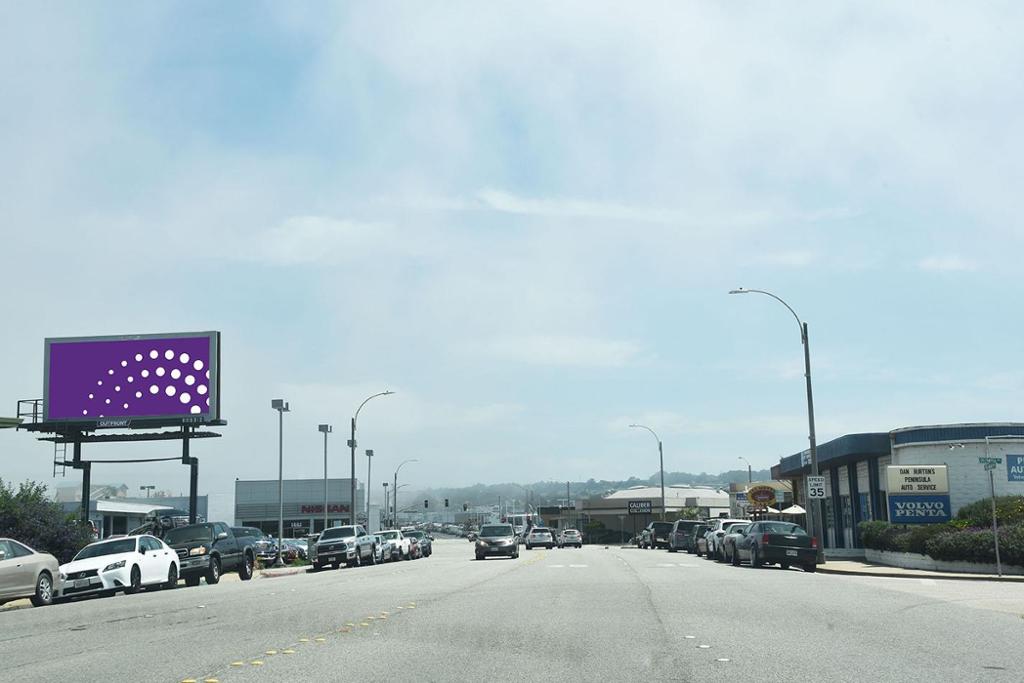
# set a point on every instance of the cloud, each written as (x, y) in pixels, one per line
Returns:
(564, 350)
(948, 263)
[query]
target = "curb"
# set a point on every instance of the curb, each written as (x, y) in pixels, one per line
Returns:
(940, 577)
(266, 573)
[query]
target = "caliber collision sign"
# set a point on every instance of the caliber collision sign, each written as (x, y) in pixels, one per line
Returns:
(639, 507)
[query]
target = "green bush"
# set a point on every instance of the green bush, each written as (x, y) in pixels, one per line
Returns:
(879, 535)
(1009, 511)
(27, 515)
(977, 545)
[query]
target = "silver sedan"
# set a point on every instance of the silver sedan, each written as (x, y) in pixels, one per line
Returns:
(25, 573)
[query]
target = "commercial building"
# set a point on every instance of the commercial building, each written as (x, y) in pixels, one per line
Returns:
(855, 467)
(256, 505)
(119, 515)
(625, 511)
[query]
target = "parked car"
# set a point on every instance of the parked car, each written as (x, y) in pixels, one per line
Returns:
(681, 534)
(698, 544)
(714, 536)
(26, 573)
(657, 535)
(350, 544)
(123, 564)
(299, 547)
(264, 547)
(383, 547)
(782, 543)
(734, 533)
(400, 544)
(208, 550)
(571, 537)
(415, 550)
(424, 542)
(496, 539)
(540, 536)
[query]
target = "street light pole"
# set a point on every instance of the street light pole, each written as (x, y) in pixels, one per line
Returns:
(369, 466)
(147, 488)
(661, 464)
(387, 503)
(325, 429)
(281, 406)
(394, 491)
(814, 519)
(750, 475)
(352, 448)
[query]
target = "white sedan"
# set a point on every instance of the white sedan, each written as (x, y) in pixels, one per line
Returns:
(127, 564)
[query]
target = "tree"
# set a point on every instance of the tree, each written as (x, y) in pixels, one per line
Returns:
(29, 516)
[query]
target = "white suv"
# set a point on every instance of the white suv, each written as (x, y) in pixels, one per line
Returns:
(399, 542)
(717, 531)
(540, 536)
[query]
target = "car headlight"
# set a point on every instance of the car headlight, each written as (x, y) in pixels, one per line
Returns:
(114, 565)
(481, 543)
(201, 550)
(63, 576)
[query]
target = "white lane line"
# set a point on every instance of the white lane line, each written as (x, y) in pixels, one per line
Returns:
(578, 566)
(556, 566)
(687, 565)
(665, 565)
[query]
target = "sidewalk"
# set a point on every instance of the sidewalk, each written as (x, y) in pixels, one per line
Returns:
(861, 568)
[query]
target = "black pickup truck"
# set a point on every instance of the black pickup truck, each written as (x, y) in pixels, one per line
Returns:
(208, 550)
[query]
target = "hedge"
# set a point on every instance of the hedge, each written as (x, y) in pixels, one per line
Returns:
(947, 541)
(1009, 511)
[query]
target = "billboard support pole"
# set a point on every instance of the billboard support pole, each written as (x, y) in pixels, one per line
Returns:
(86, 485)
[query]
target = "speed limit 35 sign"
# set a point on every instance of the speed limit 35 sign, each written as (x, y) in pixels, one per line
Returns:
(815, 487)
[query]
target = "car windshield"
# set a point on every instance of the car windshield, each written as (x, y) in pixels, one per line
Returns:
(189, 534)
(496, 530)
(123, 545)
(391, 535)
(338, 532)
(414, 534)
(661, 527)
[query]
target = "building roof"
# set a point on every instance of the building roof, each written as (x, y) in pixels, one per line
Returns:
(974, 431)
(847, 448)
(672, 492)
(119, 506)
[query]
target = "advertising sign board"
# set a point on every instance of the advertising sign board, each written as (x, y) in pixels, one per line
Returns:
(917, 479)
(1015, 467)
(112, 381)
(761, 496)
(919, 509)
(639, 507)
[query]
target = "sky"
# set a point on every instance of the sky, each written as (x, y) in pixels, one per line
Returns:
(524, 219)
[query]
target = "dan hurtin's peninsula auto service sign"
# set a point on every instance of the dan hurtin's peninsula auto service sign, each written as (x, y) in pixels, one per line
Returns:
(911, 479)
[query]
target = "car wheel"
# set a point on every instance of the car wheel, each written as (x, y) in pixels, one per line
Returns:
(191, 581)
(373, 557)
(172, 577)
(44, 590)
(479, 556)
(784, 565)
(755, 557)
(135, 581)
(698, 553)
(810, 568)
(735, 557)
(213, 573)
(672, 549)
(245, 571)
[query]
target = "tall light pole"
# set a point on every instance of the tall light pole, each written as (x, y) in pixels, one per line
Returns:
(750, 475)
(352, 447)
(147, 488)
(814, 519)
(369, 463)
(394, 502)
(394, 491)
(325, 429)
(387, 509)
(281, 406)
(661, 462)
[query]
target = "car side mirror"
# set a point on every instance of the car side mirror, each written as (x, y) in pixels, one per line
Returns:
(222, 535)
(3, 555)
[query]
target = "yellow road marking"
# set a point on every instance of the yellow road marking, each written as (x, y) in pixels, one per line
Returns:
(211, 680)
(237, 663)
(303, 640)
(288, 652)
(256, 662)
(364, 624)
(189, 680)
(350, 624)
(320, 640)
(271, 652)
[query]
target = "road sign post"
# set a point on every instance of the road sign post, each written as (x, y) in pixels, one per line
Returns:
(990, 464)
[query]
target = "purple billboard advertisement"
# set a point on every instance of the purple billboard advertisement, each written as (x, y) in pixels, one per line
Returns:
(172, 377)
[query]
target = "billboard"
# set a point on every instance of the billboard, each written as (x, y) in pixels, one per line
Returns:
(114, 381)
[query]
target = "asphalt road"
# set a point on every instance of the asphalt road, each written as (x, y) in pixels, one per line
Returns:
(592, 614)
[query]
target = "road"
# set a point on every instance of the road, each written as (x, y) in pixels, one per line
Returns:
(583, 615)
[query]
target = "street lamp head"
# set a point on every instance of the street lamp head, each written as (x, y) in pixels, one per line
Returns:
(369, 452)
(279, 404)
(634, 426)
(739, 291)
(326, 429)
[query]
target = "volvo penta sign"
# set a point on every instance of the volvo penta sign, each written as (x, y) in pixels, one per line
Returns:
(919, 509)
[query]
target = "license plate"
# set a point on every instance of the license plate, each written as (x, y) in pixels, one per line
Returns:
(791, 553)
(81, 583)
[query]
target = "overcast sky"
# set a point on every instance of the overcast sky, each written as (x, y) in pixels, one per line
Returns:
(524, 218)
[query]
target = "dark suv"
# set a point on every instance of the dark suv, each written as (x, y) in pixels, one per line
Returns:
(208, 550)
(680, 536)
(657, 535)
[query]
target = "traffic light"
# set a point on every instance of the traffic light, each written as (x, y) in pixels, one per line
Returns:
(446, 502)
(425, 501)
(465, 506)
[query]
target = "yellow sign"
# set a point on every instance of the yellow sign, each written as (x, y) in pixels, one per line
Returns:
(761, 496)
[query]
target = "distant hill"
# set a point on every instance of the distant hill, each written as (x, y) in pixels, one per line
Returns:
(552, 492)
